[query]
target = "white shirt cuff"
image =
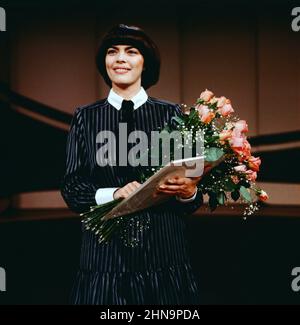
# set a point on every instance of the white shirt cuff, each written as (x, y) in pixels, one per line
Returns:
(190, 199)
(104, 195)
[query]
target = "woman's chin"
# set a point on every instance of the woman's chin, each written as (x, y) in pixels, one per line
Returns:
(123, 84)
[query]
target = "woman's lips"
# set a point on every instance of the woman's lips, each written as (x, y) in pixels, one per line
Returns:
(121, 70)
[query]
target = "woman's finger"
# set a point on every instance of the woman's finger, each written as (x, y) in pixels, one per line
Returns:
(127, 190)
(196, 179)
(170, 187)
(177, 181)
(131, 187)
(136, 184)
(171, 192)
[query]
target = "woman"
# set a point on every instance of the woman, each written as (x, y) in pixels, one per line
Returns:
(147, 261)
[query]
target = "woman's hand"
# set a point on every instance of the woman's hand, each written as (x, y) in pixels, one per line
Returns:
(126, 190)
(184, 187)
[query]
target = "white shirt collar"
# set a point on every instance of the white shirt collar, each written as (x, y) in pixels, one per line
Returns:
(116, 100)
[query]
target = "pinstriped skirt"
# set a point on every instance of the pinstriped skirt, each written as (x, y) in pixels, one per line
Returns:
(154, 270)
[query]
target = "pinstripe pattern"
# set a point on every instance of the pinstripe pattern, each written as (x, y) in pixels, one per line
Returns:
(157, 269)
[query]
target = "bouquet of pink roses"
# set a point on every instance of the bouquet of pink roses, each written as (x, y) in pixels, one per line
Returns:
(224, 135)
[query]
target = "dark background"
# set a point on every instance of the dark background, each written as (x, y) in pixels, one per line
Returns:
(236, 261)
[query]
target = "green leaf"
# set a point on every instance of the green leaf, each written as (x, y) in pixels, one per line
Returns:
(245, 194)
(244, 183)
(229, 185)
(213, 154)
(235, 195)
(200, 101)
(212, 139)
(214, 105)
(193, 113)
(221, 198)
(178, 119)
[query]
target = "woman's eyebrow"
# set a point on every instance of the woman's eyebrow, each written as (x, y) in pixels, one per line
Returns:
(126, 48)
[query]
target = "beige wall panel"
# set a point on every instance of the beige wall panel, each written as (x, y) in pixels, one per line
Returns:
(219, 55)
(279, 68)
(53, 62)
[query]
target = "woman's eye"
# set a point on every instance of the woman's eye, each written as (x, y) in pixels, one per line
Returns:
(131, 52)
(111, 51)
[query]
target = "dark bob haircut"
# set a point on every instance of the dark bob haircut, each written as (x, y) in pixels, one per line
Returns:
(136, 37)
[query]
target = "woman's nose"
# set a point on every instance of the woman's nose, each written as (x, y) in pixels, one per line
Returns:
(121, 56)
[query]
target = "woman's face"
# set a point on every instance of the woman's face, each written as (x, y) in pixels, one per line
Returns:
(124, 65)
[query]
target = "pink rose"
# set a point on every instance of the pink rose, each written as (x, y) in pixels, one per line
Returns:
(206, 95)
(263, 196)
(225, 135)
(237, 141)
(246, 151)
(240, 168)
(241, 147)
(240, 127)
(251, 175)
(201, 108)
(226, 110)
(254, 163)
(206, 115)
(221, 101)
